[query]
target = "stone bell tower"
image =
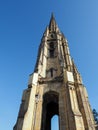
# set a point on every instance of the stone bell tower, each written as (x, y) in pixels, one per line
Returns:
(55, 87)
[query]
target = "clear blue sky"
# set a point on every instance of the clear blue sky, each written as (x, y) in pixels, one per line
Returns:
(22, 24)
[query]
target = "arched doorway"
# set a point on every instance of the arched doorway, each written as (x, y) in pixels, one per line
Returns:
(50, 108)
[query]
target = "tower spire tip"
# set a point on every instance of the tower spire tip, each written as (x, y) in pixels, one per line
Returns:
(52, 24)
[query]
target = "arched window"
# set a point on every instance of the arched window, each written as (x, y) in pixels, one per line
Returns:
(51, 72)
(51, 45)
(51, 49)
(51, 53)
(52, 35)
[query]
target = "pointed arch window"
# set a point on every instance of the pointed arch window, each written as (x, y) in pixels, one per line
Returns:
(51, 53)
(52, 35)
(51, 49)
(51, 72)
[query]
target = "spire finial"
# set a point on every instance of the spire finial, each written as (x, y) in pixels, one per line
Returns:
(52, 24)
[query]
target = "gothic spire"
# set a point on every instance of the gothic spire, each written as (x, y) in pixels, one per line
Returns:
(55, 87)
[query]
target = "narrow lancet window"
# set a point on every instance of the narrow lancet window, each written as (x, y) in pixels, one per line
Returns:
(51, 72)
(51, 49)
(51, 53)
